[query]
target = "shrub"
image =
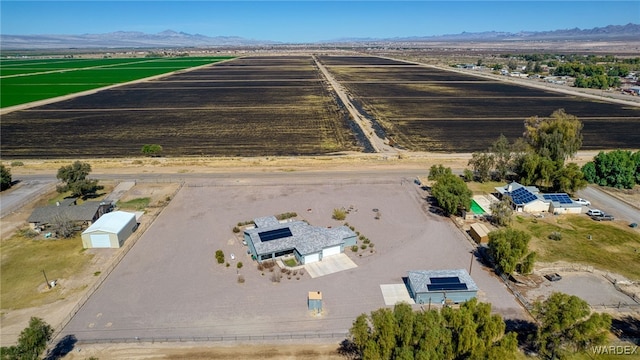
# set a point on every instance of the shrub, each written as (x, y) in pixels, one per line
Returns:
(260, 267)
(363, 246)
(354, 248)
(339, 214)
(556, 235)
(17, 163)
(239, 265)
(240, 279)
(275, 277)
(287, 215)
(227, 265)
(236, 229)
(27, 233)
(370, 245)
(137, 162)
(220, 256)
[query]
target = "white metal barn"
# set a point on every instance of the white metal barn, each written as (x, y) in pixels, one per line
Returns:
(110, 231)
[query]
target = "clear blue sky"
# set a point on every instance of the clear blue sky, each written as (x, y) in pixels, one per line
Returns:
(309, 21)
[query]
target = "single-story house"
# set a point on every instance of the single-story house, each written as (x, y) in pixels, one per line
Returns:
(110, 231)
(271, 239)
(441, 286)
(479, 233)
(67, 210)
(529, 199)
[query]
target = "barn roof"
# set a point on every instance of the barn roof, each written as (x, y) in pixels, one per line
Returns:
(112, 222)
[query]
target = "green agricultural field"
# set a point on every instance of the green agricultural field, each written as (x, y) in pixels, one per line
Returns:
(23, 81)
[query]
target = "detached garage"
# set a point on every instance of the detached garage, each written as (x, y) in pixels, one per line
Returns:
(110, 231)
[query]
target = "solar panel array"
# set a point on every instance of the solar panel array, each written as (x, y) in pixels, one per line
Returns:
(446, 283)
(275, 234)
(561, 198)
(522, 196)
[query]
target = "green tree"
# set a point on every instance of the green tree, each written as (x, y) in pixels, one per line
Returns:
(508, 247)
(452, 193)
(501, 211)
(468, 332)
(5, 178)
(566, 325)
(482, 163)
(75, 178)
(569, 178)
(557, 137)
(616, 168)
(438, 170)
(503, 156)
(151, 149)
(31, 342)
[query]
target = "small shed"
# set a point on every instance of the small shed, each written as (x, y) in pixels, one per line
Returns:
(314, 301)
(110, 231)
(479, 233)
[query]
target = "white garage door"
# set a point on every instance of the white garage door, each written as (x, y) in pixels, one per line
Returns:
(308, 259)
(100, 241)
(331, 251)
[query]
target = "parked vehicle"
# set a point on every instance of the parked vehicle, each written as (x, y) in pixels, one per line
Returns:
(553, 277)
(603, 217)
(594, 212)
(583, 202)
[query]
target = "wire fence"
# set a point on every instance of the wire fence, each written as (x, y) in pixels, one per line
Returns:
(128, 245)
(226, 338)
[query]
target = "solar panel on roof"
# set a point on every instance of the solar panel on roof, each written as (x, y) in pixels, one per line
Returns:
(445, 280)
(561, 198)
(522, 196)
(275, 234)
(440, 287)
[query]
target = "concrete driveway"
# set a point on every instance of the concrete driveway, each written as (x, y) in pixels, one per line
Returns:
(330, 265)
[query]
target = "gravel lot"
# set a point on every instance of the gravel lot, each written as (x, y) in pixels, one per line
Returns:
(169, 284)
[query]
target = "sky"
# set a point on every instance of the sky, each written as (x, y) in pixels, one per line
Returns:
(309, 21)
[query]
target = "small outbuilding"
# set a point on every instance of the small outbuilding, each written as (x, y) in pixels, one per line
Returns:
(479, 233)
(314, 301)
(441, 286)
(110, 231)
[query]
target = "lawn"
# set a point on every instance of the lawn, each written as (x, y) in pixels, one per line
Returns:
(606, 246)
(134, 204)
(23, 261)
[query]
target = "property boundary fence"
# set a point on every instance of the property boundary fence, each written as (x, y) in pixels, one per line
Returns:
(103, 276)
(226, 338)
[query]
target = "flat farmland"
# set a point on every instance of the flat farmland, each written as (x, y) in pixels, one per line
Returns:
(259, 106)
(24, 81)
(428, 109)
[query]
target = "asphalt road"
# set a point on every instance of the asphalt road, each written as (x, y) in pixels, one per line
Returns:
(609, 204)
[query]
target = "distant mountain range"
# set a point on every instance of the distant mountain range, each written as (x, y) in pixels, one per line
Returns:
(173, 39)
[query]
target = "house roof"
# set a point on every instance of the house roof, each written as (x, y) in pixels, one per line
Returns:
(422, 280)
(48, 214)
(299, 235)
(522, 195)
(112, 222)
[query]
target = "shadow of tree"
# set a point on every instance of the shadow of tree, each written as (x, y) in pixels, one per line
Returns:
(525, 330)
(62, 348)
(627, 328)
(348, 349)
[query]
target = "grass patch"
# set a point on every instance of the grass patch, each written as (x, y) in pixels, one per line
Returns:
(290, 262)
(487, 187)
(612, 247)
(23, 259)
(134, 204)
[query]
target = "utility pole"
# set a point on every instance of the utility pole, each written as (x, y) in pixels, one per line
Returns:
(46, 280)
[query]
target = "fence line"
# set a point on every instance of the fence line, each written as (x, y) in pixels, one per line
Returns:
(103, 276)
(230, 338)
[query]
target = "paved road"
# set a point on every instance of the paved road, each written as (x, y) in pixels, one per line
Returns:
(610, 205)
(28, 189)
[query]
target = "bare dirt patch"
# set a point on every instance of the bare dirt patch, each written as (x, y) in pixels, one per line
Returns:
(72, 290)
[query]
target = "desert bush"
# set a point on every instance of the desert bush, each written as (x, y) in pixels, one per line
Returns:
(17, 163)
(236, 229)
(354, 248)
(275, 277)
(240, 279)
(227, 265)
(137, 162)
(370, 245)
(556, 235)
(339, 214)
(239, 265)
(220, 256)
(260, 267)
(27, 233)
(301, 272)
(363, 246)
(287, 215)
